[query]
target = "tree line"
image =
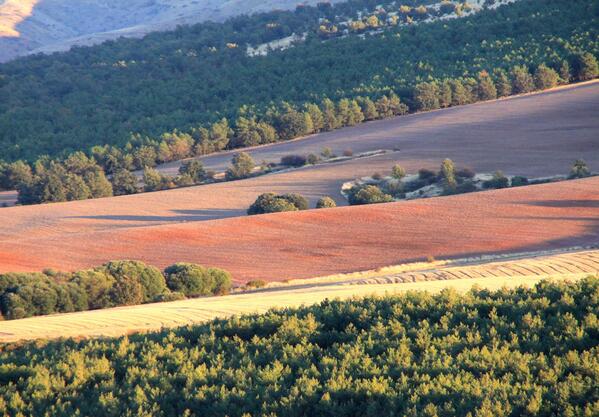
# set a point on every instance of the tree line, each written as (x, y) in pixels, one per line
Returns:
(510, 352)
(116, 283)
(188, 78)
(80, 176)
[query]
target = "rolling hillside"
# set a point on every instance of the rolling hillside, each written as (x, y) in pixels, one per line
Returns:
(32, 26)
(166, 227)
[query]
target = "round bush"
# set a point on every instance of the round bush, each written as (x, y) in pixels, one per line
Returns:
(273, 203)
(325, 202)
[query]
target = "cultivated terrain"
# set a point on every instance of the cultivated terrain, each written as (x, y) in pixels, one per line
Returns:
(169, 226)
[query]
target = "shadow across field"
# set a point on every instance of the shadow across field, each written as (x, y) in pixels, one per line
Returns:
(565, 203)
(180, 216)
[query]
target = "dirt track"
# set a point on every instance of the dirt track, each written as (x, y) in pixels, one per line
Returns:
(298, 245)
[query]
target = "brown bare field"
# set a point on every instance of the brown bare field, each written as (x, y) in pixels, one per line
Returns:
(167, 227)
(125, 320)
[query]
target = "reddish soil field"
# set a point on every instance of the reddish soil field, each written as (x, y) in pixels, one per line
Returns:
(154, 228)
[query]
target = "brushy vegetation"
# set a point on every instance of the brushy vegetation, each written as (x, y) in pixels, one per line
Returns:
(115, 283)
(504, 353)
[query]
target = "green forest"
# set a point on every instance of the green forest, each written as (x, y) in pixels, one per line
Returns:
(133, 91)
(511, 352)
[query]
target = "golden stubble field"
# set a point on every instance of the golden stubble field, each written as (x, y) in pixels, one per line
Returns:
(460, 275)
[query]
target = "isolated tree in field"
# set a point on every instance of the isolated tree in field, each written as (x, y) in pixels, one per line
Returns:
(242, 166)
(545, 77)
(273, 203)
(195, 169)
(580, 169)
(325, 202)
(522, 81)
(585, 67)
(398, 172)
(486, 87)
(448, 175)
(502, 82)
(124, 182)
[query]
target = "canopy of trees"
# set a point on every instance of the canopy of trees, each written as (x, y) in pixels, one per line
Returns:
(188, 79)
(486, 353)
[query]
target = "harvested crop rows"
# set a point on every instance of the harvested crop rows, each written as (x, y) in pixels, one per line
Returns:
(125, 320)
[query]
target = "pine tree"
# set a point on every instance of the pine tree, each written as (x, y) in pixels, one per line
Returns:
(545, 77)
(522, 81)
(445, 95)
(486, 87)
(564, 72)
(585, 67)
(502, 82)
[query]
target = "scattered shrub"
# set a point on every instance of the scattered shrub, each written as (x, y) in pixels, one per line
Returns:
(257, 283)
(326, 153)
(427, 175)
(377, 176)
(273, 203)
(465, 173)
(398, 172)
(579, 169)
(194, 169)
(519, 181)
(348, 152)
(312, 159)
(369, 194)
(325, 202)
(294, 160)
(498, 181)
(241, 167)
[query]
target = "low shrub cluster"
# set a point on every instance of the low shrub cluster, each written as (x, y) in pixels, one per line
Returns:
(276, 203)
(115, 283)
(511, 352)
